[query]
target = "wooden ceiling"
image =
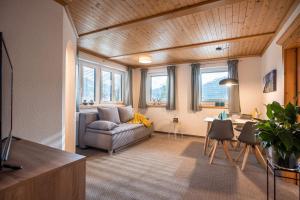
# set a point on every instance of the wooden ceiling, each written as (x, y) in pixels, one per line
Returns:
(291, 37)
(176, 31)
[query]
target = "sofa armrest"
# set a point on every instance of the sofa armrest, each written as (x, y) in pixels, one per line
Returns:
(85, 119)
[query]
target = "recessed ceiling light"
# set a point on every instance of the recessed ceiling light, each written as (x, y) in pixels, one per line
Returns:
(145, 59)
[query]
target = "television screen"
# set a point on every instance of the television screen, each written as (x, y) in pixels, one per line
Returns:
(5, 93)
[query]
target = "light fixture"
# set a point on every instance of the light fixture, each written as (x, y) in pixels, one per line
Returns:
(145, 59)
(227, 81)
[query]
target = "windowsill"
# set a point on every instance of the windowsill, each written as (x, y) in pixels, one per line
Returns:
(102, 104)
(156, 105)
(213, 107)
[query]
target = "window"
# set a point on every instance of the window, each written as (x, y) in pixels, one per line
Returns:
(118, 87)
(88, 84)
(158, 88)
(111, 87)
(106, 86)
(101, 84)
(211, 91)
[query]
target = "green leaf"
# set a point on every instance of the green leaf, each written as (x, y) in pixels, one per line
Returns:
(276, 107)
(291, 113)
(270, 111)
(287, 140)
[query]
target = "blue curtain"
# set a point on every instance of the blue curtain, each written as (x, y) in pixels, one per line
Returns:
(195, 86)
(128, 88)
(142, 99)
(171, 101)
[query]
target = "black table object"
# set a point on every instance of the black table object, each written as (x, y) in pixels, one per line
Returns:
(274, 169)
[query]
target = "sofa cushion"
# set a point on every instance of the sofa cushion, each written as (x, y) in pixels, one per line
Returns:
(109, 114)
(119, 129)
(125, 113)
(103, 125)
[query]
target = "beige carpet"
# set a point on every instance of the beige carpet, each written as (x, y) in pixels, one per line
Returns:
(165, 168)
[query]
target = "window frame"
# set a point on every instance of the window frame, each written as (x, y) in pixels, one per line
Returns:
(81, 81)
(215, 69)
(98, 82)
(149, 86)
(113, 72)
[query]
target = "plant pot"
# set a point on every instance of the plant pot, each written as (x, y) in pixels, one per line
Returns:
(289, 162)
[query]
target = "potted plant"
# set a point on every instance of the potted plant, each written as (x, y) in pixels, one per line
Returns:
(280, 133)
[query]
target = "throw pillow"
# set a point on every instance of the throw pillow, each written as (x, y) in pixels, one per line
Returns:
(102, 125)
(125, 113)
(109, 114)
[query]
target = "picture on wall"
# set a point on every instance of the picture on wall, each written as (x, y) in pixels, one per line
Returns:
(270, 81)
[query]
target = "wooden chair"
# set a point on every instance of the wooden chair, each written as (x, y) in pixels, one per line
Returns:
(220, 131)
(248, 137)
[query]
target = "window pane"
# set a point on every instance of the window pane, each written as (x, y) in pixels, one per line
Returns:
(118, 87)
(88, 87)
(211, 91)
(106, 86)
(158, 88)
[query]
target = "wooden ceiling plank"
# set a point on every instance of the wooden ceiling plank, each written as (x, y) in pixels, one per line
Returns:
(235, 19)
(228, 15)
(242, 16)
(199, 29)
(200, 44)
(222, 16)
(202, 6)
(280, 25)
(216, 22)
(212, 26)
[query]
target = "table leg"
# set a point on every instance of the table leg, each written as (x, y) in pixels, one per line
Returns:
(274, 184)
(206, 138)
(268, 180)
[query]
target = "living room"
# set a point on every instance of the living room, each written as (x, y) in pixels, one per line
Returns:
(141, 99)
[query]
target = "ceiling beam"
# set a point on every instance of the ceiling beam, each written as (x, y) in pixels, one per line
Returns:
(87, 51)
(202, 61)
(63, 2)
(215, 42)
(289, 32)
(179, 12)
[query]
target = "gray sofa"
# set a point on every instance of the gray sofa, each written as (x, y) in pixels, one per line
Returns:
(112, 140)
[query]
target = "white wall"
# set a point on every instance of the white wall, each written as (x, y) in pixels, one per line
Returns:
(192, 123)
(33, 31)
(273, 59)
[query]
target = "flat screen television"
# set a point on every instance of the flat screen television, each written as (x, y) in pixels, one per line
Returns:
(6, 105)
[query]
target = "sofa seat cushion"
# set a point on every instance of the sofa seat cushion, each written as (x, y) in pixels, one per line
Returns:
(121, 128)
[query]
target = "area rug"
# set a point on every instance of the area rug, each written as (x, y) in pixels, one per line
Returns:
(166, 168)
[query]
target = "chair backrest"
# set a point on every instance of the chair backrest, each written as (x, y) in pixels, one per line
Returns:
(221, 130)
(248, 134)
